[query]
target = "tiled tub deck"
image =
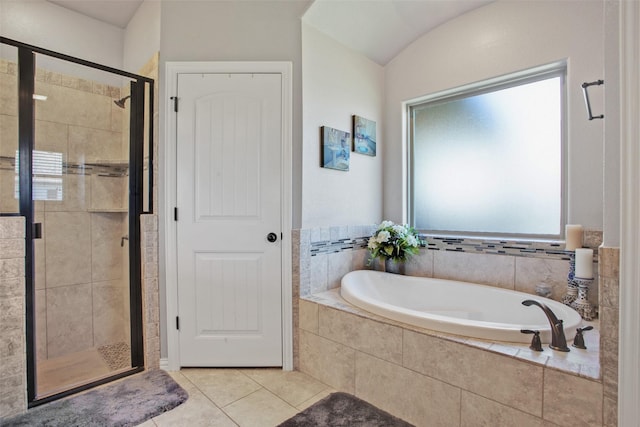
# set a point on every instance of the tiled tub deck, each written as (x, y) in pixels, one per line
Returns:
(435, 379)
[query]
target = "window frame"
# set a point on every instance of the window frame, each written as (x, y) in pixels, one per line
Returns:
(543, 72)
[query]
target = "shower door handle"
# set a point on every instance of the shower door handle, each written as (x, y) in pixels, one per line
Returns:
(37, 230)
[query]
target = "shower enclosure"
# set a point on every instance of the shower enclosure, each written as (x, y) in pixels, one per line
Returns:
(76, 163)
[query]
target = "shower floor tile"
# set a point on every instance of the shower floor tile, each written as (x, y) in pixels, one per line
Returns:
(61, 373)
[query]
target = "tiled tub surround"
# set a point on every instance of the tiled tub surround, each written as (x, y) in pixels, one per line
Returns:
(609, 271)
(325, 255)
(434, 379)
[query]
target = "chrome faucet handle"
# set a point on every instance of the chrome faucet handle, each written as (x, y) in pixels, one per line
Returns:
(578, 340)
(536, 344)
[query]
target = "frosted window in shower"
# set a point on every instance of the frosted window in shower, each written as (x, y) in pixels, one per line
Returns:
(490, 162)
(47, 176)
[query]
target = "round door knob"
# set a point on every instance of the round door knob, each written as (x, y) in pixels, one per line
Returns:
(272, 237)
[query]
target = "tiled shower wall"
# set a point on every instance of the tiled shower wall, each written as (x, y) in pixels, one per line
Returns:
(81, 266)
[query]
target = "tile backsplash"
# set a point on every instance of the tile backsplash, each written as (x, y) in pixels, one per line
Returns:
(326, 254)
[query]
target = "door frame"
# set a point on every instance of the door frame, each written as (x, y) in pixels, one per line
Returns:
(172, 70)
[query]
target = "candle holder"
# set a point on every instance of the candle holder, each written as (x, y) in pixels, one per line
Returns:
(581, 304)
(572, 284)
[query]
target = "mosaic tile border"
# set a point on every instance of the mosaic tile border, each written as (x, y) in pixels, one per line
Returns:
(335, 242)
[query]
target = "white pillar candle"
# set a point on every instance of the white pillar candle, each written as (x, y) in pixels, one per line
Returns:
(573, 237)
(584, 263)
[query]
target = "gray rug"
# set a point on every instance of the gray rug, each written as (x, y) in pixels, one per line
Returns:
(343, 410)
(127, 402)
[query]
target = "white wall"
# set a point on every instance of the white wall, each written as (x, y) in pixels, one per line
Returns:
(142, 36)
(338, 83)
(52, 27)
(497, 39)
(230, 31)
(238, 31)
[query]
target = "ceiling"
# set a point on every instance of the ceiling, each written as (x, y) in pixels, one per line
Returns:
(379, 29)
(114, 12)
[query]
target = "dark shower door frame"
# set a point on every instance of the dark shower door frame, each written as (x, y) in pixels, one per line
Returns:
(26, 141)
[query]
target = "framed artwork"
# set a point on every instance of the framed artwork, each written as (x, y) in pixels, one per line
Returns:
(364, 136)
(335, 148)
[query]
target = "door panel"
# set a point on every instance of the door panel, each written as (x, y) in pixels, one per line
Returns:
(229, 197)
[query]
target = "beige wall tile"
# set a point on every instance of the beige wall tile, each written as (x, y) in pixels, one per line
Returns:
(478, 411)
(533, 271)
(8, 201)
(87, 145)
(68, 313)
(609, 292)
(50, 136)
(319, 273)
(338, 264)
(12, 343)
(11, 286)
(107, 255)
(73, 107)
(76, 194)
(413, 397)
(8, 135)
(420, 265)
(108, 192)
(378, 339)
(41, 324)
(12, 248)
(309, 316)
(109, 323)
(484, 269)
(327, 361)
(503, 379)
(12, 313)
(11, 268)
(609, 261)
(68, 251)
(360, 259)
(571, 401)
(610, 415)
(8, 94)
(11, 228)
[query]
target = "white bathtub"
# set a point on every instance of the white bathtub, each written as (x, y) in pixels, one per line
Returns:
(460, 308)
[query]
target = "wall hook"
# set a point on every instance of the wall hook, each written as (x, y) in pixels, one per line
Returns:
(586, 98)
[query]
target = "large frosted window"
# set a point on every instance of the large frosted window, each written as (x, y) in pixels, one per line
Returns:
(490, 162)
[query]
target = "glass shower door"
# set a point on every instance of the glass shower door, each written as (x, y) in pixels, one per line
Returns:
(80, 188)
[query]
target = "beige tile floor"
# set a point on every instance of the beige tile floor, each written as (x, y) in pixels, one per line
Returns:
(240, 397)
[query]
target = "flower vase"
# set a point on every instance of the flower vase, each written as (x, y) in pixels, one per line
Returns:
(392, 266)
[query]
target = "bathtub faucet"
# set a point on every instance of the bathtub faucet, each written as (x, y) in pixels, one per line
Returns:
(558, 341)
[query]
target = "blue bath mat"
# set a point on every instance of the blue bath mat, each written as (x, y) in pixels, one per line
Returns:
(127, 402)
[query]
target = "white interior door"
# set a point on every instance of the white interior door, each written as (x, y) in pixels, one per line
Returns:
(229, 133)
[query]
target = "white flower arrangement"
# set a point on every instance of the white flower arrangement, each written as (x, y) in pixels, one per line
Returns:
(393, 241)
